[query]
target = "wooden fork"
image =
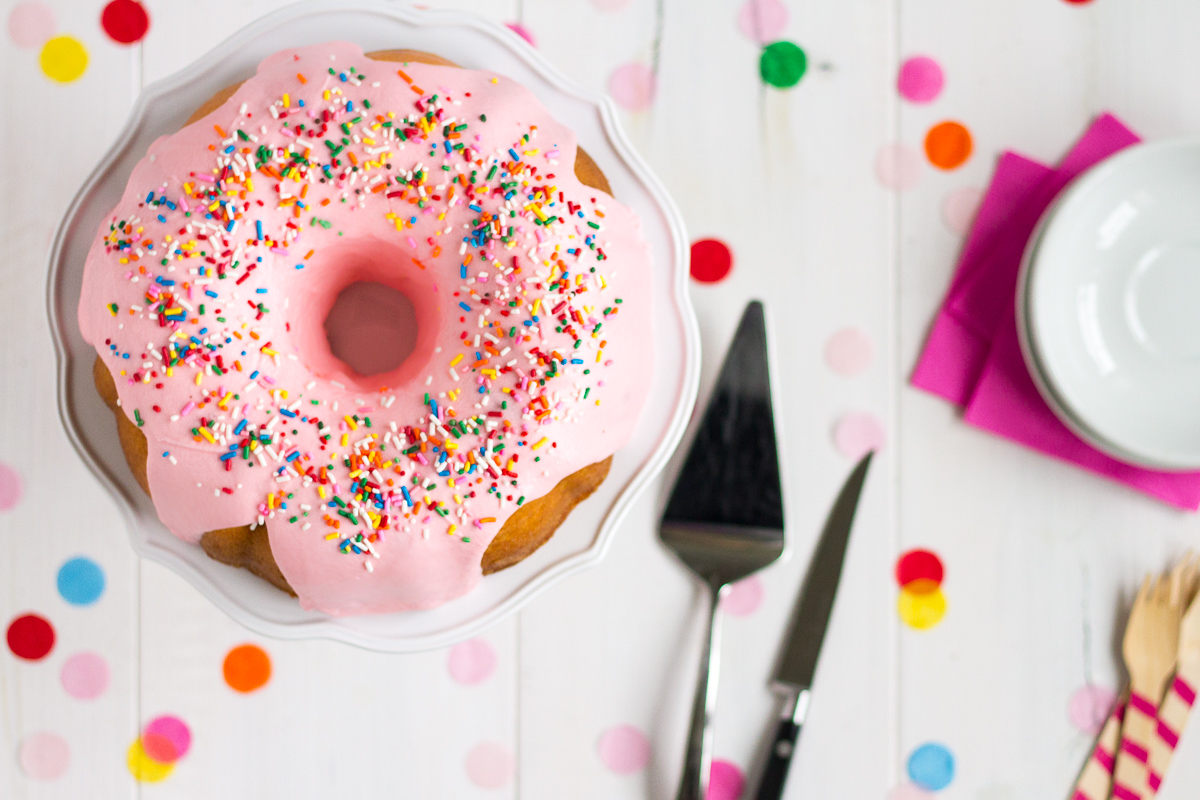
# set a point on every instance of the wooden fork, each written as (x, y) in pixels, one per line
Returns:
(1095, 780)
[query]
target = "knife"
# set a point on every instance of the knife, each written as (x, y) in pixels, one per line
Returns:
(794, 675)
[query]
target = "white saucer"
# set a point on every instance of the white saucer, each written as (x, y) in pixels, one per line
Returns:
(1109, 304)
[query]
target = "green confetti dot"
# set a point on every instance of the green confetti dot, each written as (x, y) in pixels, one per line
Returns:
(782, 64)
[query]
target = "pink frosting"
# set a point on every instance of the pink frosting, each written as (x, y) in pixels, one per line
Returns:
(214, 331)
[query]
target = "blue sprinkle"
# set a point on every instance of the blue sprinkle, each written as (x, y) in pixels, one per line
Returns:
(463, 272)
(258, 227)
(287, 413)
(228, 456)
(161, 218)
(295, 454)
(407, 496)
(241, 426)
(464, 306)
(448, 146)
(254, 375)
(513, 153)
(299, 266)
(260, 291)
(576, 360)
(210, 293)
(150, 197)
(349, 105)
(475, 207)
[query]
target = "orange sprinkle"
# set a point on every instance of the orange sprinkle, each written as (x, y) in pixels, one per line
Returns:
(222, 133)
(301, 78)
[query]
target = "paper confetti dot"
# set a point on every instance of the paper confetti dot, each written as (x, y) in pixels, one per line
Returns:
(931, 766)
(125, 21)
(898, 167)
(711, 260)
(144, 768)
(490, 765)
(624, 749)
(522, 31)
(10, 487)
(63, 59)
(472, 661)
(44, 756)
(782, 64)
(959, 207)
(849, 351)
(611, 6)
(247, 667)
(907, 791)
(1089, 707)
(1078, 2)
(80, 581)
(167, 739)
(856, 433)
(743, 597)
(948, 145)
(725, 780)
(919, 568)
(920, 80)
(633, 86)
(762, 21)
(29, 25)
(921, 610)
(84, 676)
(30, 637)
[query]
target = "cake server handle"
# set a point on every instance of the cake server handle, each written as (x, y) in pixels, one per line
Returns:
(698, 760)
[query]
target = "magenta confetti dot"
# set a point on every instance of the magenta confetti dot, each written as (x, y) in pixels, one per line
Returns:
(856, 433)
(725, 781)
(1089, 707)
(29, 26)
(44, 756)
(960, 206)
(85, 676)
(522, 31)
(762, 21)
(849, 351)
(743, 597)
(10, 487)
(624, 749)
(472, 661)
(490, 765)
(898, 167)
(169, 737)
(921, 79)
(633, 86)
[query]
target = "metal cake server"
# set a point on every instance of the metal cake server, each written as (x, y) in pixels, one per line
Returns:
(725, 516)
(794, 675)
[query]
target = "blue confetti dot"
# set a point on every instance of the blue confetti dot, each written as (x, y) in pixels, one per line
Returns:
(81, 581)
(931, 766)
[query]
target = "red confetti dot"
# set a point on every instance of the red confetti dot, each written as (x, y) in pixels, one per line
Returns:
(125, 21)
(920, 565)
(30, 637)
(711, 260)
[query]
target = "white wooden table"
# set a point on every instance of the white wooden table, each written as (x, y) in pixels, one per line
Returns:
(1041, 557)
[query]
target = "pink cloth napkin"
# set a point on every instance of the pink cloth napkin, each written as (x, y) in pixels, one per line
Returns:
(972, 356)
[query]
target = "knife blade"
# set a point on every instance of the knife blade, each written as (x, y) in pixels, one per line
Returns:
(794, 674)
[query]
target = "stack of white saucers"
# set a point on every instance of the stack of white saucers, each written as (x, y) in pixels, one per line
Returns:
(1108, 306)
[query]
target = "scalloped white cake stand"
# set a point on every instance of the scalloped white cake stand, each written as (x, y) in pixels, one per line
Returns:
(474, 43)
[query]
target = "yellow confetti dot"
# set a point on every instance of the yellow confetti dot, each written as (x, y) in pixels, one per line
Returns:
(63, 59)
(921, 610)
(144, 768)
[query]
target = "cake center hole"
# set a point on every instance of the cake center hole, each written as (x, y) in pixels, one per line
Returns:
(371, 328)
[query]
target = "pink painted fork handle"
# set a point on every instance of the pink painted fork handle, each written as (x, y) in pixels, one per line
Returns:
(1095, 780)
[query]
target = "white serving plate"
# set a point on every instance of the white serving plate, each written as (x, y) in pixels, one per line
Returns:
(474, 43)
(1109, 306)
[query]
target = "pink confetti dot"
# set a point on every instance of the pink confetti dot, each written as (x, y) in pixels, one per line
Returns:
(909, 791)
(167, 739)
(921, 79)
(490, 765)
(85, 676)
(858, 432)
(725, 781)
(959, 207)
(633, 86)
(624, 749)
(611, 6)
(762, 21)
(472, 661)
(29, 26)
(1089, 707)
(45, 756)
(849, 351)
(10, 487)
(743, 597)
(898, 167)
(522, 31)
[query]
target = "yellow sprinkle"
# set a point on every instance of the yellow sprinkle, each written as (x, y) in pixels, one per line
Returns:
(331, 537)
(321, 491)
(599, 355)
(541, 442)
(345, 439)
(454, 361)
(199, 376)
(287, 101)
(453, 528)
(350, 421)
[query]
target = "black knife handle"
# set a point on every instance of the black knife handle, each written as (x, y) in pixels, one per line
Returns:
(782, 747)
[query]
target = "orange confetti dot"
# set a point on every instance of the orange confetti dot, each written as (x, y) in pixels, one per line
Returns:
(247, 667)
(948, 145)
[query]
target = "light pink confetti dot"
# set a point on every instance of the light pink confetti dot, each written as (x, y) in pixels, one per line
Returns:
(921, 80)
(898, 167)
(909, 791)
(10, 487)
(725, 781)
(959, 207)
(85, 676)
(45, 756)
(30, 25)
(762, 21)
(633, 86)
(490, 765)
(1089, 707)
(743, 597)
(849, 351)
(858, 432)
(611, 6)
(472, 661)
(624, 749)
(522, 31)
